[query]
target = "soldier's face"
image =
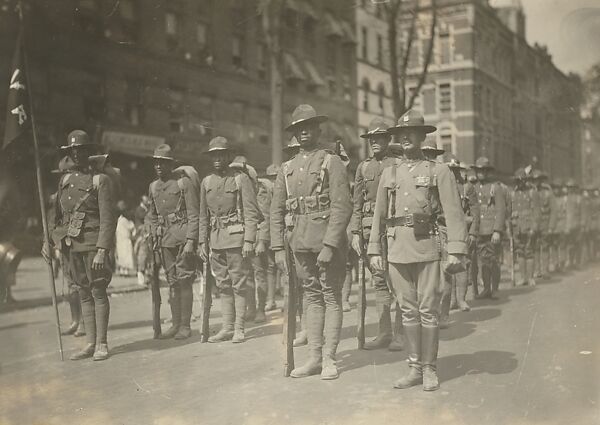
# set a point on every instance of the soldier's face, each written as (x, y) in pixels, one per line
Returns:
(308, 134)
(80, 155)
(163, 167)
(220, 159)
(379, 143)
(481, 175)
(411, 138)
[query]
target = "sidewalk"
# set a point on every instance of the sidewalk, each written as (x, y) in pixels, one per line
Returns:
(33, 287)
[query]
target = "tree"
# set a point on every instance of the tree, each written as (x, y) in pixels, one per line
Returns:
(400, 49)
(271, 12)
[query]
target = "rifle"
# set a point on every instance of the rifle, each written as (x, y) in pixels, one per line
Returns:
(289, 307)
(206, 301)
(362, 297)
(155, 287)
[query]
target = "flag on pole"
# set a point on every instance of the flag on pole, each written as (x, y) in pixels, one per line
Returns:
(17, 110)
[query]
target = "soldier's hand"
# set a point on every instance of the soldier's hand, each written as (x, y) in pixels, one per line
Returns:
(281, 261)
(188, 248)
(325, 256)
(46, 251)
(356, 244)
(376, 262)
(470, 240)
(261, 248)
(247, 249)
(496, 238)
(99, 258)
(454, 264)
(203, 252)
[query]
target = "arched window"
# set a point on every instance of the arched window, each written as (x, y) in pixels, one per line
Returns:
(366, 88)
(381, 97)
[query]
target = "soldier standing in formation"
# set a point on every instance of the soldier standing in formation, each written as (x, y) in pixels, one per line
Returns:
(84, 230)
(573, 236)
(266, 266)
(558, 231)
(366, 183)
(547, 222)
(312, 187)
(525, 225)
(492, 205)
(173, 218)
(412, 195)
(229, 217)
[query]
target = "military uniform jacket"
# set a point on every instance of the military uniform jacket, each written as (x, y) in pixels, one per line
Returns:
(413, 188)
(468, 196)
(573, 212)
(366, 183)
(492, 207)
(175, 210)
(560, 224)
(85, 215)
(229, 215)
(548, 209)
(313, 188)
(525, 211)
(264, 197)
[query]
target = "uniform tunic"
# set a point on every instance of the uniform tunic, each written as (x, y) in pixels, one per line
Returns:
(493, 214)
(525, 218)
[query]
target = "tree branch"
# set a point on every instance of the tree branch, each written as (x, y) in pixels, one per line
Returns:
(423, 75)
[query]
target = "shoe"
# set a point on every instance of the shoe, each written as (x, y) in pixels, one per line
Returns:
(80, 330)
(483, 295)
(260, 317)
(397, 343)
(86, 353)
(222, 335)
(329, 371)
(312, 367)
(301, 339)
(413, 378)
(184, 332)
(379, 342)
(464, 306)
(346, 307)
(271, 307)
(101, 352)
(170, 333)
(71, 329)
(430, 378)
(238, 337)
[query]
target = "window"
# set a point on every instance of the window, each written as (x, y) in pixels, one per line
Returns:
(236, 51)
(171, 24)
(444, 48)
(446, 141)
(366, 88)
(444, 98)
(379, 50)
(365, 44)
(381, 97)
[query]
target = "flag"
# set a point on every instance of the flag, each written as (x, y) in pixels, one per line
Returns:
(17, 110)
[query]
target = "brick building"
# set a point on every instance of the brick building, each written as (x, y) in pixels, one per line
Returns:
(488, 91)
(136, 73)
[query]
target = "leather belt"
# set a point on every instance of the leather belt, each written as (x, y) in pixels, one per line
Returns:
(404, 220)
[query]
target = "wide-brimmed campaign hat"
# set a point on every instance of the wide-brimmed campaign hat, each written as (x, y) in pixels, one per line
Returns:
(305, 114)
(378, 125)
(218, 143)
(429, 146)
(483, 163)
(412, 119)
(163, 151)
(557, 182)
(78, 138)
(452, 161)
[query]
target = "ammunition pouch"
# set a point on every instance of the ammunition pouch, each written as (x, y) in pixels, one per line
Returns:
(178, 217)
(368, 208)
(231, 222)
(308, 204)
(75, 224)
(366, 224)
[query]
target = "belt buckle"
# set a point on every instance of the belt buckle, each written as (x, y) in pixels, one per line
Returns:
(408, 220)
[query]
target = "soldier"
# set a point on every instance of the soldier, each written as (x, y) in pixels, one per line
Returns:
(525, 224)
(573, 219)
(492, 204)
(558, 229)
(173, 218)
(430, 150)
(271, 270)
(412, 196)
(547, 222)
(84, 230)
(455, 288)
(313, 189)
(366, 182)
(229, 217)
(472, 262)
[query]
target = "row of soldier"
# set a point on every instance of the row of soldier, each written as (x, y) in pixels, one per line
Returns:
(428, 230)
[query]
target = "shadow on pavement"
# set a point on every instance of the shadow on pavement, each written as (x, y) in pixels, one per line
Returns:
(20, 325)
(489, 362)
(350, 331)
(154, 344)
(356, 359)
(259, 331)
(478, 314)
(458, 329)
(131, 325)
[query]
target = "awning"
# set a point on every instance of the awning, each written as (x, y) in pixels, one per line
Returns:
(131, 143)
(292, 68)
(333, 27)
(315, 78)
(349, 36)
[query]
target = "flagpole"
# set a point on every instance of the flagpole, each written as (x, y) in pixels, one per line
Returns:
(40, 184)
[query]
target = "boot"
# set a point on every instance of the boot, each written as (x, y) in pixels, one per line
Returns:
(101, 352)
(301, 337)
(445, 303)
(346, 307)
(415, 375)
(271, 286)
(495, 274)
(315, 322)
(175, 303)
(86, 353)
(88, 314)
(80, 329)
(398, 343)
(262, 301)
(461, 293)
(485, 277)
(332, 329)
(186, 302)
(102, 315)
(71, 329)
(228, 315)
(453, 301)
(75, 307)
(429, 352)
(238, 327)
(384, 337)
(474, 275)
(250, 303)
(530, 279)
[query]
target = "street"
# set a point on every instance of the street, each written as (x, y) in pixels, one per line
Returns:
(530, 357)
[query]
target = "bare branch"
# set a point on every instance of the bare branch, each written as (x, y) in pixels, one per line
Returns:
(423, 75)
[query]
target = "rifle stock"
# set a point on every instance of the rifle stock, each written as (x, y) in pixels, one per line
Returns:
(289, 318)
(206, 301)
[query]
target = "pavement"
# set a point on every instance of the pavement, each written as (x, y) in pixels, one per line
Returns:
(530, 357)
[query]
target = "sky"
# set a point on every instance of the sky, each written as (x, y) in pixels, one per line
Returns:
(570, 29)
